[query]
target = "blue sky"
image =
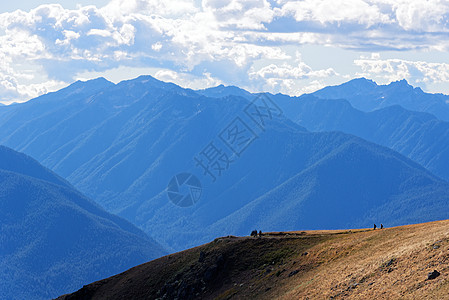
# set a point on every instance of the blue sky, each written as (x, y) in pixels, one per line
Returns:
(291, 47)
(26, 5)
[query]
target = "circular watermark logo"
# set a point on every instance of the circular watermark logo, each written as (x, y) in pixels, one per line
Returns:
(184, 190)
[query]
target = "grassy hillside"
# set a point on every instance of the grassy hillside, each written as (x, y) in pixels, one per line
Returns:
(352, 264)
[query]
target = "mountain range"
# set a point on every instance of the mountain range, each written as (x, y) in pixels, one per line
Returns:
(366, 95)
(53, 239)
(420, 136)
(122, 144)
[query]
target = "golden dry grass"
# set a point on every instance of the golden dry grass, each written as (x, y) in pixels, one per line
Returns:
(392, 263)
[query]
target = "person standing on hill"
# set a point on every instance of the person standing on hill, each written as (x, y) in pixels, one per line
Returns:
(375, 227)
(381, 226)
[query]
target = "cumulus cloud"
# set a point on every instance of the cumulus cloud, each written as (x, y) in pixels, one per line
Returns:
(416, 72)
(249, 37)
(119, 9)
(420, 16)
(241, 14)
(295, 79)
(188, 80)
(285, 71)
(334, 11)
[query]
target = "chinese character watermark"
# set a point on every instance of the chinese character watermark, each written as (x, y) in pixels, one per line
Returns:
(214, 160)
(238, 136)
(262, 109)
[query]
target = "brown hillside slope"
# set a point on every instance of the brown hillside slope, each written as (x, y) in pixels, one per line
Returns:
(361, 264)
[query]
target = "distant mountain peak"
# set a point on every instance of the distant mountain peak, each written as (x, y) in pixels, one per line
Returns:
(151, 81)
(400, 83)
(223, 91)
(90, 85)
(96, 81)
(363, 80)
(147, 78)
(366, 95)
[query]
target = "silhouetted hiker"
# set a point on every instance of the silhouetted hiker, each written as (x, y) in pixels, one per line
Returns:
(375, 227)
(260, 232)
(254, 232)
(381, 226)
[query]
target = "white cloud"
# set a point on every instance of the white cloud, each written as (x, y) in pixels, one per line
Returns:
(300, 70)
(295, 78)
(416, 72)
(99, 32)
(15, 85)
(420, 16)
(242, 14)
(241, 54)
(188, 80)
(331, 11)
(285, 71)
(311, 87)
(173, 8)
(247, 37)
(156, 46)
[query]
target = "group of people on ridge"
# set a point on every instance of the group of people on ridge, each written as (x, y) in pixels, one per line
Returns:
(381, 226)
(254, 233)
